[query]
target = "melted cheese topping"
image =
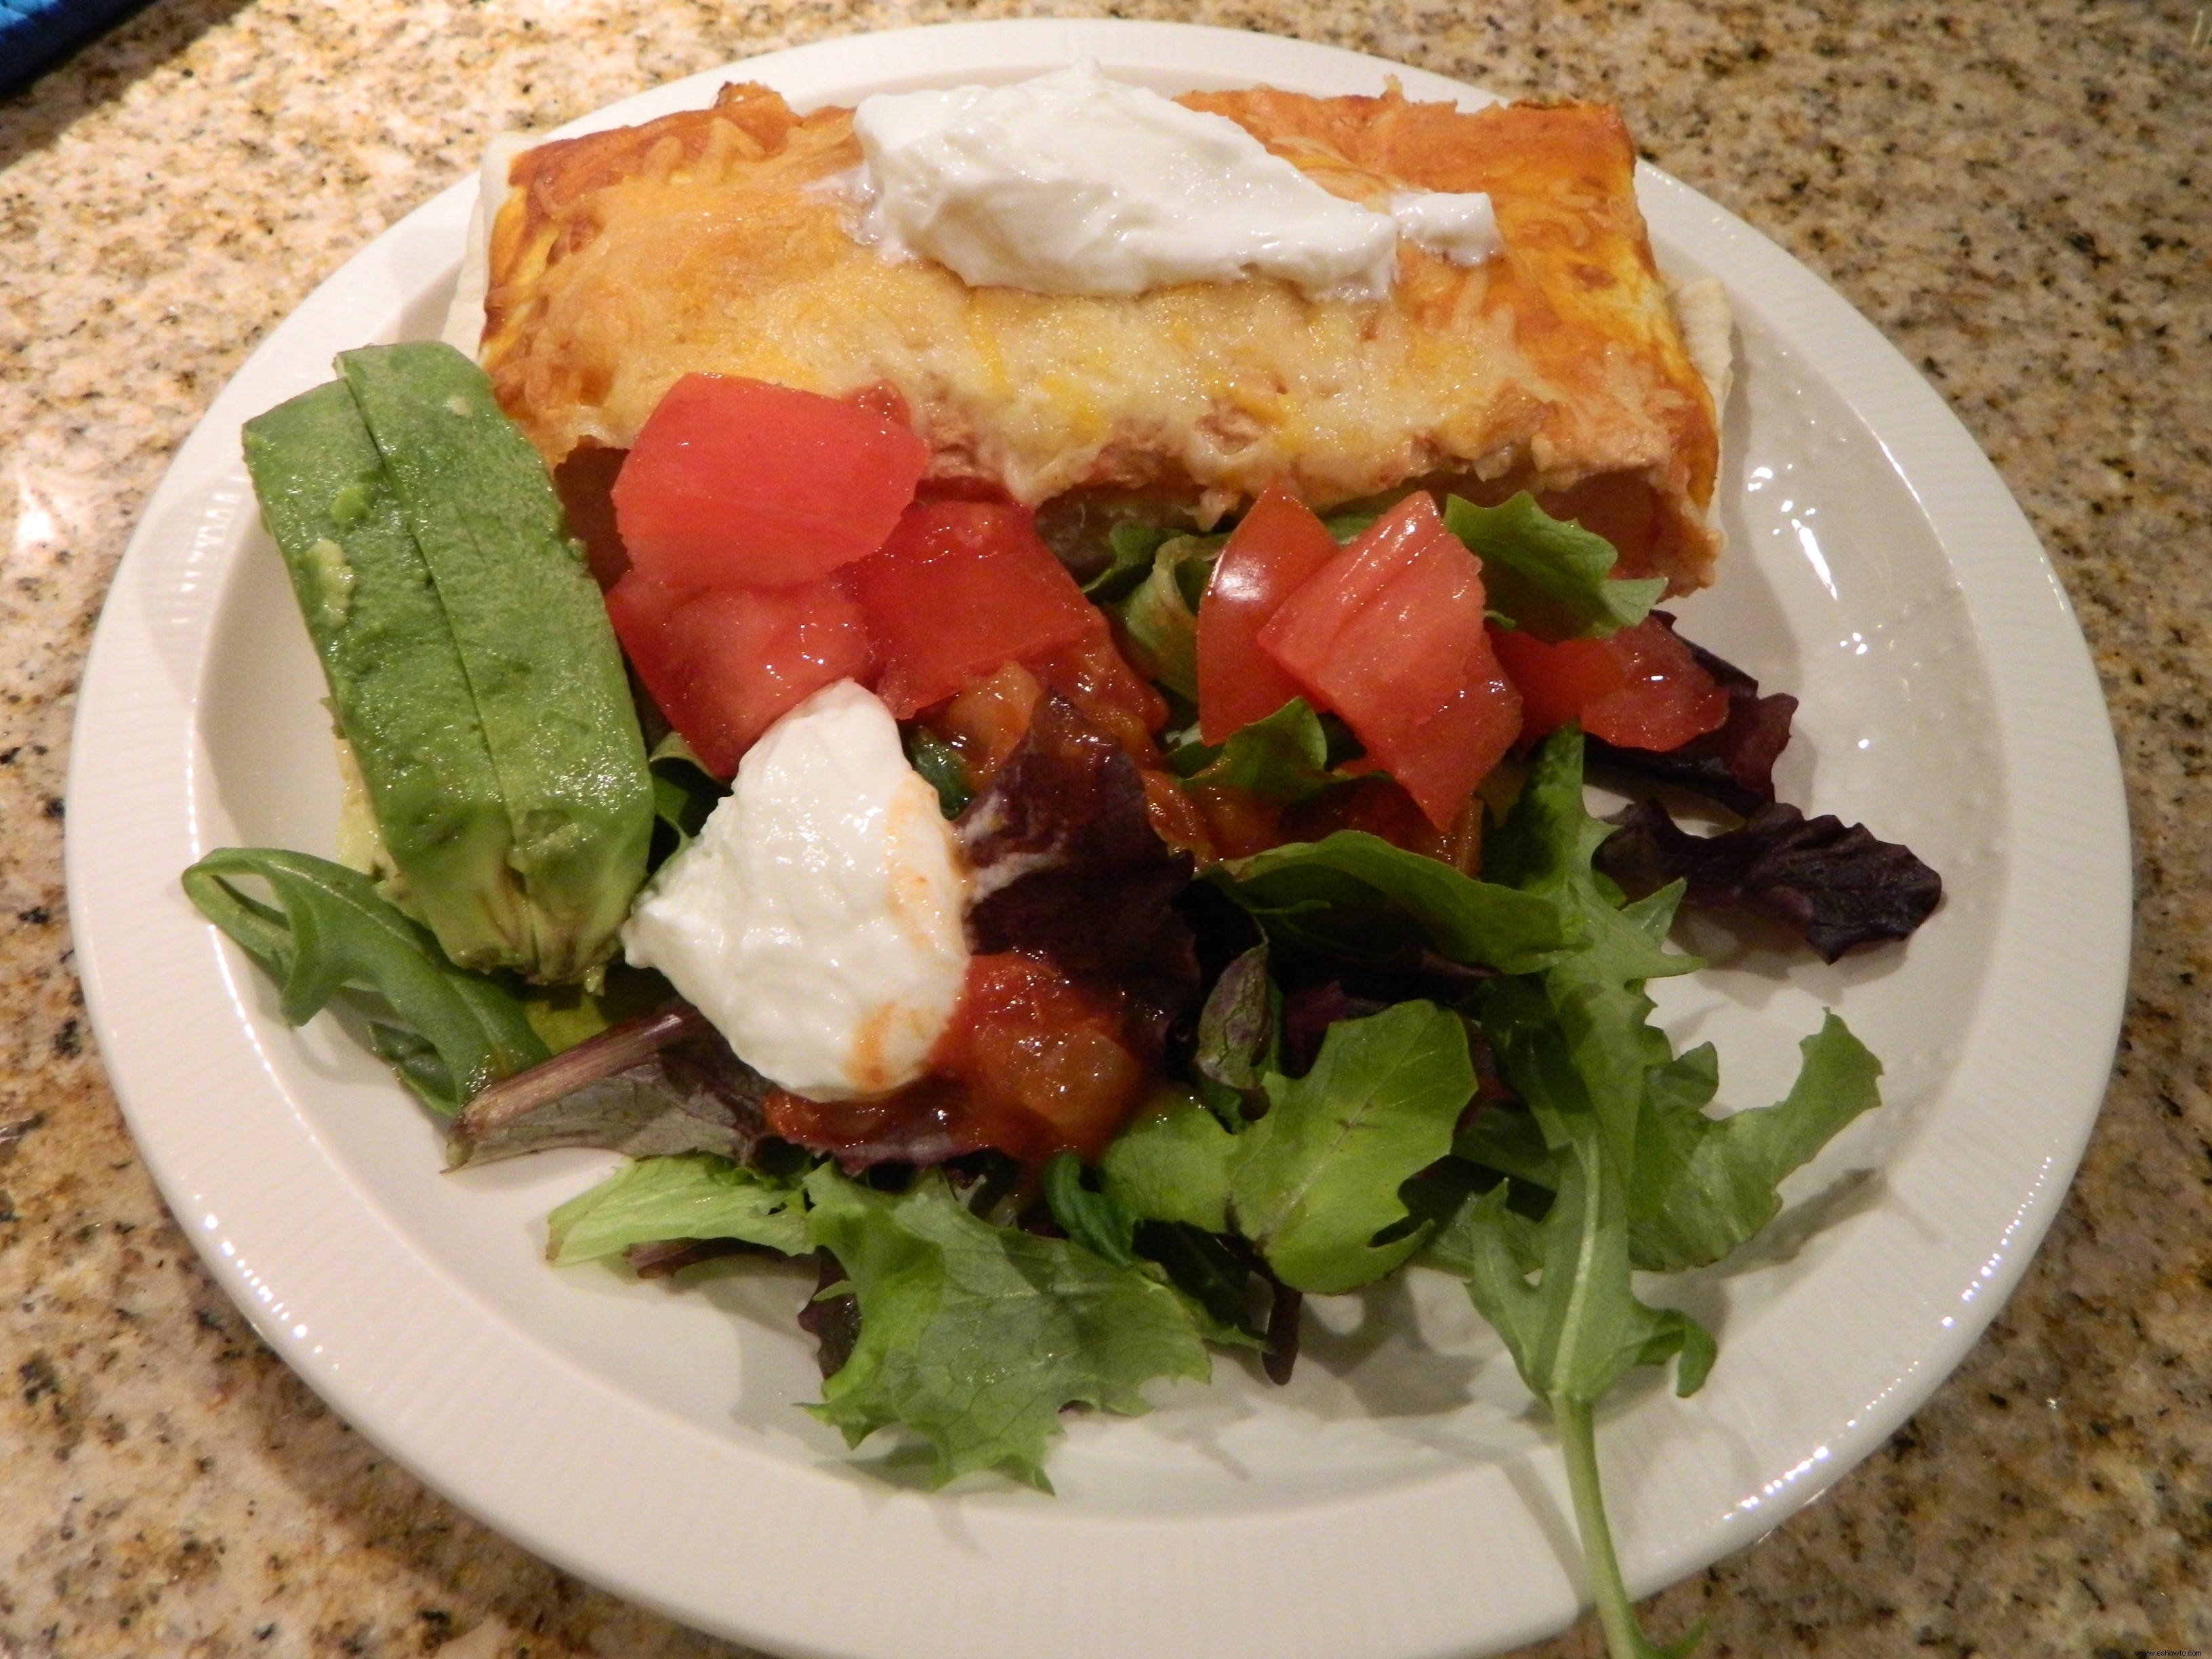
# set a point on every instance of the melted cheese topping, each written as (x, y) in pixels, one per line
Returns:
(713, 241)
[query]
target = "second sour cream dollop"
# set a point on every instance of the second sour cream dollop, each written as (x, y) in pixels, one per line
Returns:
(1073, 183)
(816, 920)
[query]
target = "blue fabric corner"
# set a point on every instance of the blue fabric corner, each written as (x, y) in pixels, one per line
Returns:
(36, 34)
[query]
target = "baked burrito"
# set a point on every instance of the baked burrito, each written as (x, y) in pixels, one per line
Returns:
(723, 241)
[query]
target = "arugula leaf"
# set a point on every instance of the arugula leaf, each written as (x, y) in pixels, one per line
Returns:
(1575, 1332)
(1544, 849)
(1703, 1185)
(1172, 1164)
(1579, 1327)
(1441, 1201)
(331, 937)
(1548, 576)
(1160, 616)
(1615, 1122)
(1237, 1038)
(1133, 544)
(1510, 1141)
(1318, 1178)
(657, 1198)
(1097, 1221)
(1283, 758)
(975, 1336)
(1354, 896)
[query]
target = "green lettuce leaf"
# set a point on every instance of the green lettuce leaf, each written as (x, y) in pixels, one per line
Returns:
(1172, 1164)
(657, 1199)
(1353, 896)
(1160, 616)
(1190, 1259)
(331, 937)
(1559, 1293)
(974, 1336)
(566, 1015)
(1704, 1185)
(1543, 849)
(1318, 1178)
(1508, 1139)
(683, 793)
(1283, 758)
(1614, 1123)
(1215, 1282)
(1547, 576)
(1095, 1220)
(1132, 545)
(941, 767)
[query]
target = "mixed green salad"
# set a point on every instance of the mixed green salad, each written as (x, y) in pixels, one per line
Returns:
(1360, 1039)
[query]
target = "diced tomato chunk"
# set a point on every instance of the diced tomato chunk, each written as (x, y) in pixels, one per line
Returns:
(739, 483)
(1178, 815)
(724, 666)
(1238, 823)
(1043, 1062)
(1272, 550)
(1092, 674)
(1031, 1064)
(986, 720)
(960, 588)
(1556, 682)
(1668, 698)
(1638, 688)
(1390, 636)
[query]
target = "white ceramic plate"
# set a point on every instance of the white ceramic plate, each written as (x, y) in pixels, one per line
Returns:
(1398, 1499)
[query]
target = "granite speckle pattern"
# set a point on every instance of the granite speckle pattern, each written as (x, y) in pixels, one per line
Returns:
(2019, 194)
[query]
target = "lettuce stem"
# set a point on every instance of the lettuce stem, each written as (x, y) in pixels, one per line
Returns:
(1624, 1637)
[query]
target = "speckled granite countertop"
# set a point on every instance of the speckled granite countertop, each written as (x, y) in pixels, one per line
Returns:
(2019, 194)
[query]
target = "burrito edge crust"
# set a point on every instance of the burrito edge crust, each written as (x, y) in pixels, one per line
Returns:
(717, 242)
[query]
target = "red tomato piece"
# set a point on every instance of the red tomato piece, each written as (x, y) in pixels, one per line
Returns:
(1032, 1064)
(725, 665)
(1043, 1062)
(740, 483)
(1556, 682)
(1390, 636)
(960, 588)
(1092, 674)
(1272, 550)
(1668, 698)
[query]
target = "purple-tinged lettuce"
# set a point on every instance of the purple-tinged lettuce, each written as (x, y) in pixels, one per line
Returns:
(1831, 885)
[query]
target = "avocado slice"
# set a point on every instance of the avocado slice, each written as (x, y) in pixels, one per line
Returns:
(471, 661)
(397, 686)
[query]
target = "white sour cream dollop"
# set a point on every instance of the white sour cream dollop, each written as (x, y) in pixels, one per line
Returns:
(816, 920)
(1073, 183)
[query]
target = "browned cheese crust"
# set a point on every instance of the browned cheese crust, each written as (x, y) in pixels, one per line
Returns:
(717, 242)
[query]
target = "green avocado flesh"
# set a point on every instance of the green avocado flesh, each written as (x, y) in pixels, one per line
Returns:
(470, 660)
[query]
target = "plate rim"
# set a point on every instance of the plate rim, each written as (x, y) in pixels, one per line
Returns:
(443, 1441)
